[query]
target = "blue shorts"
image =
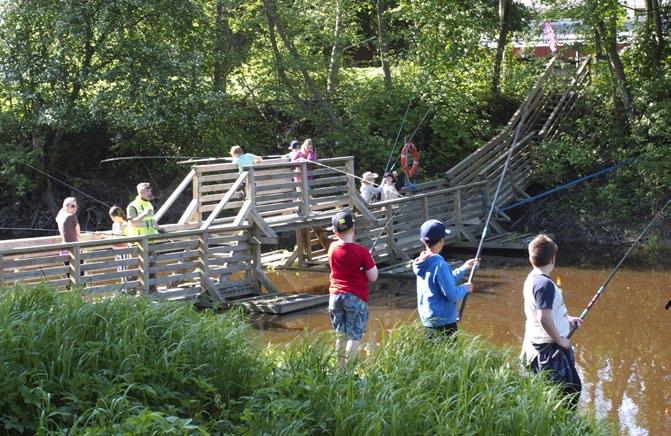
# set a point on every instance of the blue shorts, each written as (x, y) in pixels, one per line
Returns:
(349, 315)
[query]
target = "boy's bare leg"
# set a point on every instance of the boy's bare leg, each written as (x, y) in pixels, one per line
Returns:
(352, 349)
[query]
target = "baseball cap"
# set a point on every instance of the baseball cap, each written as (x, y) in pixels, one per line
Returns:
(294, 144)
(433, 231)
(342, 221)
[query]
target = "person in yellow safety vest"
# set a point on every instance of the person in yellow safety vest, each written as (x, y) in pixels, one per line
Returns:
(140, 213)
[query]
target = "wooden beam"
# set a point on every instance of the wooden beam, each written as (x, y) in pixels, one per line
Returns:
(231, 192)
(176, 193)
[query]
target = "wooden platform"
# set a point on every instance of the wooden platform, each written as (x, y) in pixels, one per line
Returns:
(281, 304)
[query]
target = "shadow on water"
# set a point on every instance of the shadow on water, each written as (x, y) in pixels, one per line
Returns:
(623, 352)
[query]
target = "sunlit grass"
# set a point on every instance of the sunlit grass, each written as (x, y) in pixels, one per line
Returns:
(71, 364)
(409, 386)
(127, 366)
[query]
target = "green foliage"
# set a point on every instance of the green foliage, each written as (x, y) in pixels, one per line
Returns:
(68, 364)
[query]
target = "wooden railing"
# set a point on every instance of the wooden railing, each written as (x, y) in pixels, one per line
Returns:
(224, 261)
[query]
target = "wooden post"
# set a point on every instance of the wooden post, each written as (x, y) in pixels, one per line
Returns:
(300, 247)
(2, 271)
(197, 215)
(75, 265)
(308, 245)
(256, 256)
(349, 168)
(456, 214)
(425, 208)
(144, 261)
(250, 187)
(305, 191)
(389, 229)
(203, 264)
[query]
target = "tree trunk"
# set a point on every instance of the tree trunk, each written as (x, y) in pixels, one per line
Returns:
(336, 51)
(504, 27)
(618, 108)
(279, 61)
(221, 33)
(609, 38)
(271, 11)
(658, 26)
(382, 35)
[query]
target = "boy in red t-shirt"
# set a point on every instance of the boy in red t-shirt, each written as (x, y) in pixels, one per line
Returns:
(352, 267)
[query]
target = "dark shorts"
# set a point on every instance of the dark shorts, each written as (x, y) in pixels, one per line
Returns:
(560, 369)
(444, 331)
(349, 315)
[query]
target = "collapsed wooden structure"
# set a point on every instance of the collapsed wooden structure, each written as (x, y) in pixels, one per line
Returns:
(227, 234)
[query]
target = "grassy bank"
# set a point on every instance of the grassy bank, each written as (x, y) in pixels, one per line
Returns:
(125, 365)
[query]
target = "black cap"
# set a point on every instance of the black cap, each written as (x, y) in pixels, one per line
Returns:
(294, 144)
(342, 221)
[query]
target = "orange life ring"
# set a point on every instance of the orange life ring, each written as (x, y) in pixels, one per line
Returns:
(411, 148)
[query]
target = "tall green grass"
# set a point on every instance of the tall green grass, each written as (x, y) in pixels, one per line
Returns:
(409, 386)
(126, 366)
(70, 365)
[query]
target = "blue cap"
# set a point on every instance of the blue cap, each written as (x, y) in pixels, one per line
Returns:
(433, 231)
(294, 144)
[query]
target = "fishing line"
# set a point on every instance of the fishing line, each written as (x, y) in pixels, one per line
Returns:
(512, 148)
(66, 184)
(412, 136)
(398, 135)
(29, 229)
(384, 227)
(610, 277)
(339, 171)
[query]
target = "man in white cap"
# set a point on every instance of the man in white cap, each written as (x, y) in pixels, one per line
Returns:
(437, 290)
(368, 190)
(140, 213)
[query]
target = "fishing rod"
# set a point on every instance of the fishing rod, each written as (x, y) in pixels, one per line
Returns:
(115, 159)
(513, 146)
(612, 274)
(66, 184)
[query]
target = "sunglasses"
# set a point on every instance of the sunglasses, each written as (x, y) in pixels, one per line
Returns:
(72, 205)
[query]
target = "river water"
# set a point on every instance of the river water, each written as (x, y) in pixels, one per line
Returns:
(623, 351)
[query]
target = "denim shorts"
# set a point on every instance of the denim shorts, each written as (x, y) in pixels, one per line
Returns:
(349, 315)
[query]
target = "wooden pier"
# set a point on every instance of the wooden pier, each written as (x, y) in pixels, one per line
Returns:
(227, 235)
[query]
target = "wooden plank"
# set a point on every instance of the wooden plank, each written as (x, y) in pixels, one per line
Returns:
(35, 261)
(37, 273)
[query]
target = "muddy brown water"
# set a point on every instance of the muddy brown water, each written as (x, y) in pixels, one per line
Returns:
(623, 351)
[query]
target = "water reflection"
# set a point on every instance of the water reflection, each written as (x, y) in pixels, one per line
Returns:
(623, 352)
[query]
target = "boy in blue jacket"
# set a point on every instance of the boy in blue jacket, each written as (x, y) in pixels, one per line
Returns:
(437, 290)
